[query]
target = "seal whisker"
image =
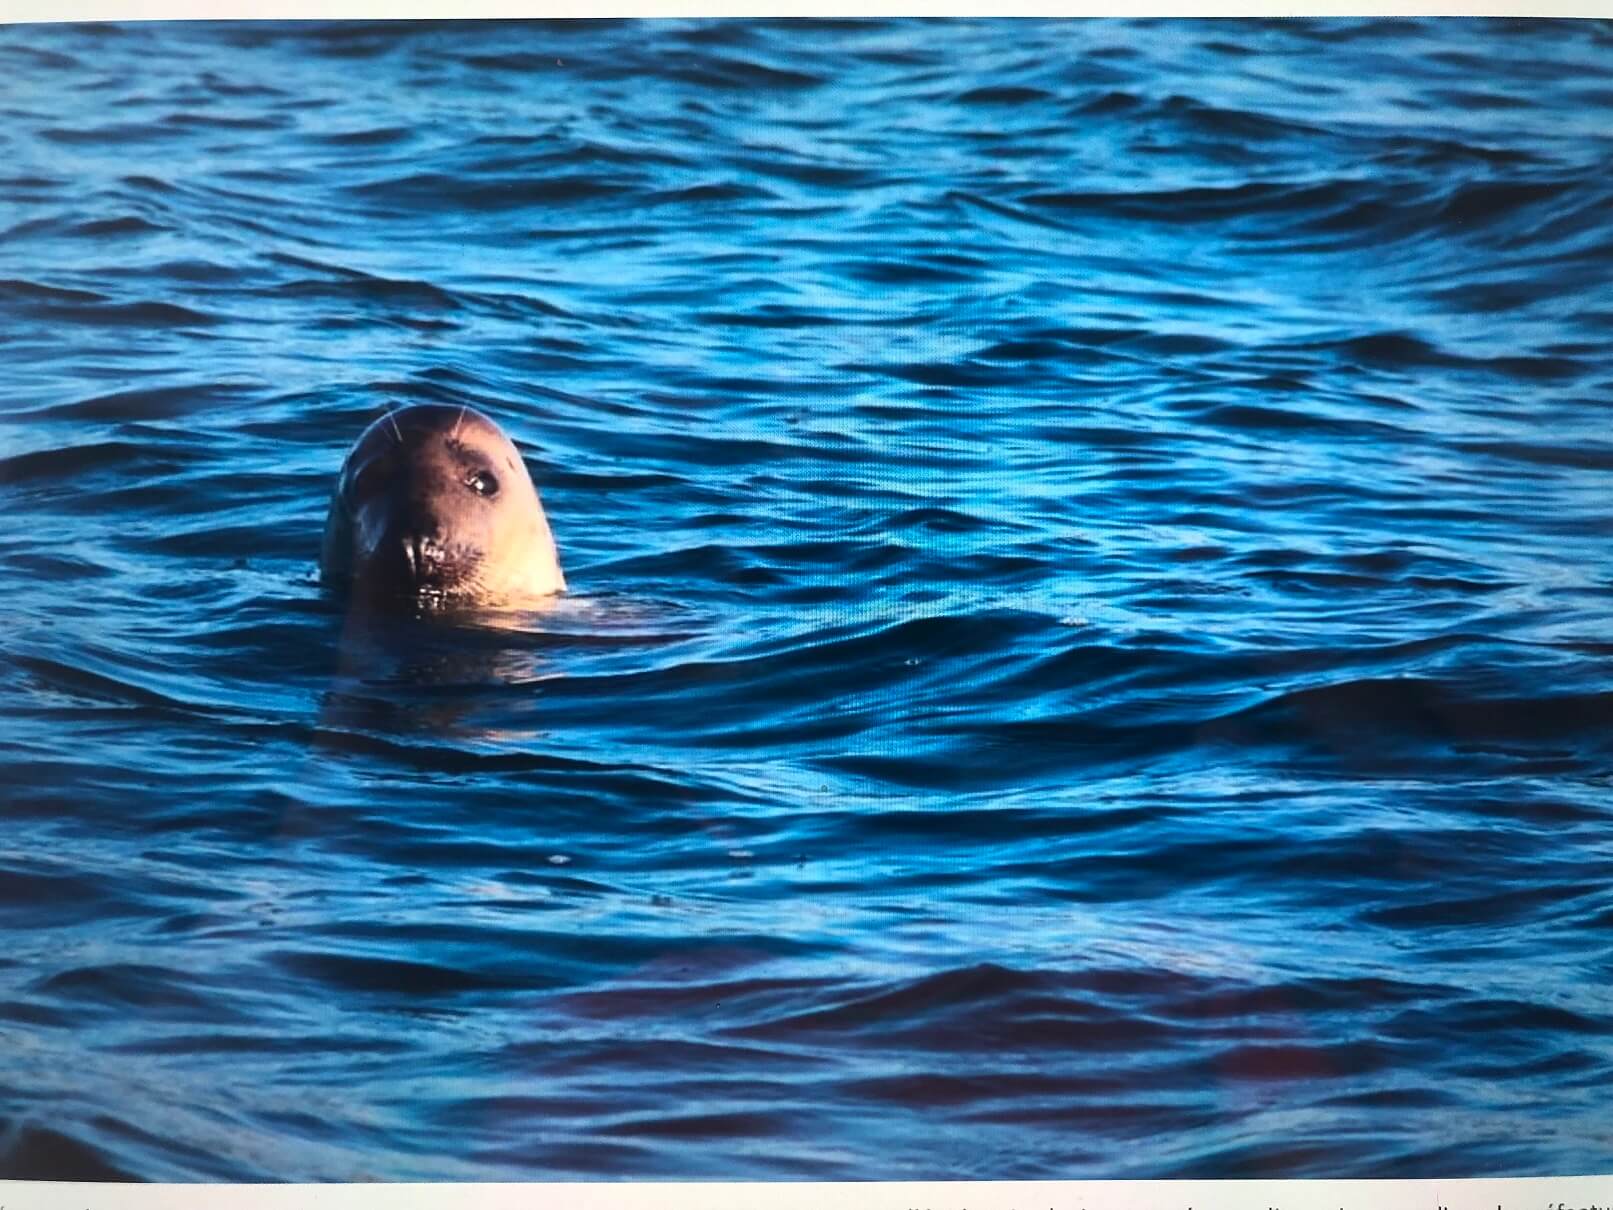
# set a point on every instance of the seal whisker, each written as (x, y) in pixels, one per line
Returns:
(454, 436)
(396, 431)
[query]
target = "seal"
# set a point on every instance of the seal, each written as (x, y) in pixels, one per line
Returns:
(434, 506)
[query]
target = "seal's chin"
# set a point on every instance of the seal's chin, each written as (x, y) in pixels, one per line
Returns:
(417, 575)
(413, 598)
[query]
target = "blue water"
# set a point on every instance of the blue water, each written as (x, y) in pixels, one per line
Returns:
(1091, 642)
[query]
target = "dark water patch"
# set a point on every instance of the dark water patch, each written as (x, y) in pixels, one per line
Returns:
(1003, 94)
(938, 520)
(372, 137)
(30, 183)
(204, 272)
(349, 40)
(76, 680)
(932, 995)
(1176, 344)
(724, 72)
(809, 172)
(1311, 1159)
(123, 133)
(1396, 1099)
(226, 86)
(1272, 1064)
(1222, 1002)
(952, 1093)
(299, 1046)
(936, 375)
(912, 272)
(214, 121)
(516, 61)
(1581, 457)
(773, 316)
(150, 315)
(23, 894)
(958, 199)
(35, 292)
(1257, 419)
(128, 225)
(1113, 101)
(348, 972)
(153, 403)
(1401, 350)
(31, 1152)
(1176, 206)
(1471, 98)
(1514, 1022)
(1499, 201)
(366, 290)
(1501, 907)
(40, 57)
(724, 191)
(52, 467)
(1412, 712)
(723, 1126)
(35, 1015)
(1024, 350)
(142, 183)
(1433, 152)
(429, 190)
(1239, 123)
(53, 567)
(539, 155)
(150, 990)
(597, 778)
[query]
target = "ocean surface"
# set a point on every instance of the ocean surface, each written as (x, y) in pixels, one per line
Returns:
(1090, 650)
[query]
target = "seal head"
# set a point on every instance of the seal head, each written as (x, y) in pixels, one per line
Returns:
(435, 506)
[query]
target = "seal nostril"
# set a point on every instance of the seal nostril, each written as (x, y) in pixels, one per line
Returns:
(424, 558)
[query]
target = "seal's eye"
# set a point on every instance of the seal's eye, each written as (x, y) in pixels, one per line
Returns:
(483, 483)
